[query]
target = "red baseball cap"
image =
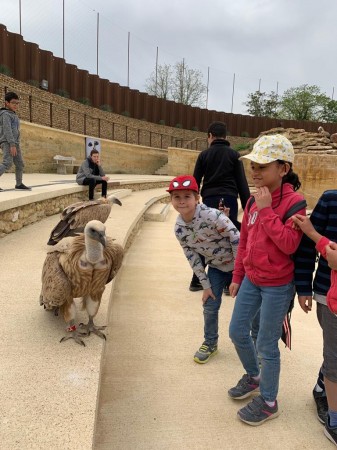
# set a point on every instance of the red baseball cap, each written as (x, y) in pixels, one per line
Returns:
(183, 182)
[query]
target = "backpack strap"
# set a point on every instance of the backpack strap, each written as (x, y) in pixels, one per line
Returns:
(293, 209)
(250, 202)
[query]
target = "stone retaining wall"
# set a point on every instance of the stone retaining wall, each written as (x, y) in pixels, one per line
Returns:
(16, 218)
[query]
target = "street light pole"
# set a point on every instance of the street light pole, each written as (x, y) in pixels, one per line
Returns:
(63, 31)
(20, 17)
(97, 38)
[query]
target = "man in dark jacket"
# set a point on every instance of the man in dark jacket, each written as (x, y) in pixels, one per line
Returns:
(220, 173)
(91, 173)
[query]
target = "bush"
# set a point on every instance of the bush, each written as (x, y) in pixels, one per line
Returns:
(229, 133)
(242, 147)
(5, 70)
(85, 101)
(245, 134)
(195, 128)
(178, 125)
(126, 113)
(34, 83)
(62, 93)
(161, 122)
(106, 108)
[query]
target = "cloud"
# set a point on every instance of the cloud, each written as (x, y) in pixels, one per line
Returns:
(274, 44)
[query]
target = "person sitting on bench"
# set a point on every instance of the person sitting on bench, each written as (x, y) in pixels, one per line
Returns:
(91, 173)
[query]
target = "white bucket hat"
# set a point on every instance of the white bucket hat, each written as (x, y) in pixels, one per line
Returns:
(271, 148)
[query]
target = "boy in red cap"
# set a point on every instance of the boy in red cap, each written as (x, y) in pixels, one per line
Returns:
(205, 231)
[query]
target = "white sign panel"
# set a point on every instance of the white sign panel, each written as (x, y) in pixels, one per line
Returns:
(91, 144)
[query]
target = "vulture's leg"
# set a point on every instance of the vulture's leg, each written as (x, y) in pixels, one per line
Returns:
(92, 308)
(69, 312)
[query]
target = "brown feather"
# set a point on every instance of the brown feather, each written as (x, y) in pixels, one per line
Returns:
(75, 217)
(66, 275)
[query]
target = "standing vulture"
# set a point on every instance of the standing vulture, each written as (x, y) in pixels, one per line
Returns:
(75, 217)
(80, 266)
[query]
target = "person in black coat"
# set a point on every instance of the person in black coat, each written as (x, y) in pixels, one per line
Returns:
(221, 176)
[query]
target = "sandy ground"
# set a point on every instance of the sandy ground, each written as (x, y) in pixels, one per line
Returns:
(154, 396)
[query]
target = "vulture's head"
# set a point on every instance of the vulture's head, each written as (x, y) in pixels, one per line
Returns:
(95, 231)
(113, 200)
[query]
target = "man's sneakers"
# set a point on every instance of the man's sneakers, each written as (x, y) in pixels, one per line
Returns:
(321, 406)
(22, 187)
(245, 387)
(257, 412)
(205, 352)
(195, 286)
(330, 433)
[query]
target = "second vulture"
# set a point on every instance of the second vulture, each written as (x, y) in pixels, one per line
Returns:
(75, 217)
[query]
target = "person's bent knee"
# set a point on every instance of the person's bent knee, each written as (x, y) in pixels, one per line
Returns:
(234, 334)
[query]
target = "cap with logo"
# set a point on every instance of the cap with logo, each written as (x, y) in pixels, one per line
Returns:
(183, 182)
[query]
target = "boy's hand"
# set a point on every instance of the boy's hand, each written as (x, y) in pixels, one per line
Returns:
(331, 255)
(206, 294)
(305, 302)
(105, 178)
(233, 289)
(13, 150)
(263, 197)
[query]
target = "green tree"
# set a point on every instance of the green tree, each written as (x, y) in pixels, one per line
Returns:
(329, 111)
(303, 103)
(261, 104)
(178, 83)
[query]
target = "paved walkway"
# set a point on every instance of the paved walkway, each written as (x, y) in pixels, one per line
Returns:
(152, 395)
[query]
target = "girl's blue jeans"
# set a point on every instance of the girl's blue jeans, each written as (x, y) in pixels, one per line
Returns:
(273, 302)
(218, 280)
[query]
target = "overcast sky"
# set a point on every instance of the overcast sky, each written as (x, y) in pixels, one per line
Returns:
(274, 44)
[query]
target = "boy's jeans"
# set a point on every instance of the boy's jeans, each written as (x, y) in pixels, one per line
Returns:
(273, 302)
(218, 280)
(8, 160)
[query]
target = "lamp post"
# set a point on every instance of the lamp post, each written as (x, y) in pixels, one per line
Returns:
(20, 17)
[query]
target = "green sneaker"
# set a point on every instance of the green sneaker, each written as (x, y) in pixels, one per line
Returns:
(205, 352)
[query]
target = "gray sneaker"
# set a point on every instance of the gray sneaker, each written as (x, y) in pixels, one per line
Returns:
(245, 387)
(205, 352)
(257, 412)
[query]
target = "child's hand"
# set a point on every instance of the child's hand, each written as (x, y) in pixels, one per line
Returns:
(305, 302)
(233, 289)
(303, 223)
(263, 197)
(331, 255)
(206, 294)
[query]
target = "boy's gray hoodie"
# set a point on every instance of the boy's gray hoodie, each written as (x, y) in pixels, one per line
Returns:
(9, 127)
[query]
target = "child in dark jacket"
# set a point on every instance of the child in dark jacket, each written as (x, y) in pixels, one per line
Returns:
(321, 229)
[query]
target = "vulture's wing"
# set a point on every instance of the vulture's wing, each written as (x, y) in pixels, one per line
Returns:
(56, 288)
(74, 218)
(114, 254)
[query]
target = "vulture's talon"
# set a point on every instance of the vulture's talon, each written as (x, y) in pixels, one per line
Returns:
(73, 335)
(87, 329)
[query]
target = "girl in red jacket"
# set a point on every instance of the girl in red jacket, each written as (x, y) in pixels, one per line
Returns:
(263, 277)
